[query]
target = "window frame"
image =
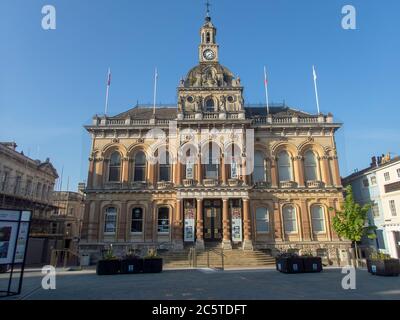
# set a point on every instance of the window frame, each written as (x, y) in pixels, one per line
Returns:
(258, 166)
(293, 219)
(386, 176)
(106, 215)
(134, 219)
(265, 220)
(318, 219)
(287, 166)
(168, 219)
(115, 167)
(314, 165)
(141, 166)
(392, 207)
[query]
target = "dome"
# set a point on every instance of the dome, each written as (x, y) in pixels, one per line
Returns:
(210, 75)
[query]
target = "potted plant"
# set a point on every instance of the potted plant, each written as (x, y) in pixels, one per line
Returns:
(152, 263)
(381, 264)
(110, 264)
(289, 263)
(311, 263)
(131, 263)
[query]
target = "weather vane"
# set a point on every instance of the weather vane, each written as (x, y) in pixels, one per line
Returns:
(208, 5)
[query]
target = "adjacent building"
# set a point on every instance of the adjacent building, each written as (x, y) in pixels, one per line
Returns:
(379, 185)
(27, 184)
(70, 208)
(213, 170)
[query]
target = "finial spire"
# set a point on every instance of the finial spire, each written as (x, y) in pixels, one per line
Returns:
(208, 5)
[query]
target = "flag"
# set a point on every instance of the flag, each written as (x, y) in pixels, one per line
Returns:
(109, 77)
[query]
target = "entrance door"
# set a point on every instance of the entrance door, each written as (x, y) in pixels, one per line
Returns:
(212, 220)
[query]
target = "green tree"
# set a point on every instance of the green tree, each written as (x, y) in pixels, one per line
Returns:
(351, 222)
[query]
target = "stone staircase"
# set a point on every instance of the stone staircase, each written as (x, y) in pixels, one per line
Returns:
(235, 258)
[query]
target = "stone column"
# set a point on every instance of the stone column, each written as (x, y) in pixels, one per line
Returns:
(178, 225)
(92, 172)
(326, 171)
(100, 172)
(226, 222)
(305, 221)
(125, 170)
(122, 223)
(277, 223)
(247, 243)
(244, 173)
(199, 225)
(274, 173)
(336, 174)
(199, 172)
(299, 171)
(151, 174)
(223, 171)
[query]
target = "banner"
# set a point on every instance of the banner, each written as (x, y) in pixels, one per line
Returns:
(236, 225)
(189, 225)
(189, 171)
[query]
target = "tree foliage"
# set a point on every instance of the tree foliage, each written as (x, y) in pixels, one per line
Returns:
(351, 222)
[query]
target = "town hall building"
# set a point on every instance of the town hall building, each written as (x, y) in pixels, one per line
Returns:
(211, 171)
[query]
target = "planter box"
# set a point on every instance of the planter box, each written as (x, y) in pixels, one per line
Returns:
(390, 267)
(129, 266)
(290, 265)
(312, 264)
(108, 267)
(153, 265)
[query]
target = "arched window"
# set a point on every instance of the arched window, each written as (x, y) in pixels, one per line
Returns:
(139, 174)
(163, 220)
(289, 219)
(114, 174)
(310, 166)
(212, 161)
(262, 220)
(259, 167)
(110, 220)
(165, 168)
(137, 220)
(210, 105)
(285, 166)
(208, 37)
(317, 218)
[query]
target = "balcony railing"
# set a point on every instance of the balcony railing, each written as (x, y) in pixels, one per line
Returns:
(210, 182)
(188, 182)
(314, 184)
(288, 184)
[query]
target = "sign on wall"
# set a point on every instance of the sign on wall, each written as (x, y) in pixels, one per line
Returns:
(234, 171)
(189, 171)
(236, 225)
(189, 225)
(13, 240)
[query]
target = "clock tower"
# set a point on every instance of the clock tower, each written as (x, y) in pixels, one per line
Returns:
(208, 49)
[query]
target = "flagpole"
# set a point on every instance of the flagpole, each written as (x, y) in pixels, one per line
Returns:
(107, 91)
(316, 89)
(155, 92)
(266, 89)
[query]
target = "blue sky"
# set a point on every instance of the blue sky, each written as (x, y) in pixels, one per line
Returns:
(53, 82)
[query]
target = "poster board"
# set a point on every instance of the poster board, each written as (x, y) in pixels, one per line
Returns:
(236, 225)
(189, 225)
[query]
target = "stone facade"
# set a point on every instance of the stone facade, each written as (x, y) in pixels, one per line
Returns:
(249, 177)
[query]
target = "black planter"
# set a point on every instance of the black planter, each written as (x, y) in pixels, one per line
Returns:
(312, 264)
(389, 267)
(129, 266)
(108, 267)
(290, 265)
(153, 265)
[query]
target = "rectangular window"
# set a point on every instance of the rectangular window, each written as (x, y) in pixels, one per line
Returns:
(398, 173)
(365, 183)
(163, 220)
(211, 171)
(139, 174)
(387, 176)
(110, 221)
(137, 220)
(373, 180)
(262, 220)
(28, 189)
(375, 210)
(17, 185)
(317, 216)
(392, 206)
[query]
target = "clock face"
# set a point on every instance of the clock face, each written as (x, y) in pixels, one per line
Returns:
(209, 54)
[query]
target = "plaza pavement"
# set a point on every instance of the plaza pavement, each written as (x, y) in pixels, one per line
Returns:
(208, 284)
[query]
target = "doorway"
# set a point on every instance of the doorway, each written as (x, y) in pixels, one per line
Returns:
(212, 217)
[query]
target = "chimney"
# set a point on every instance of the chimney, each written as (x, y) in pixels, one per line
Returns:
(373, 162)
